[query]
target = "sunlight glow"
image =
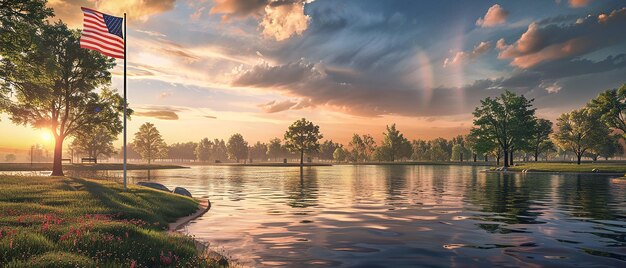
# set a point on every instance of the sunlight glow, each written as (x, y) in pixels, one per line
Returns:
(46, 136)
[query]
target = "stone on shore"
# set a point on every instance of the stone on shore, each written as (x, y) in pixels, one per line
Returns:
(182, 191)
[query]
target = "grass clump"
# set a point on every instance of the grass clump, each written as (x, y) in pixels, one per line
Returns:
(71, 222)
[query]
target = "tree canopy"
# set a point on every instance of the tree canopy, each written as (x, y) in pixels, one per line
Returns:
(506, 120)
(94, 142)
(611, 105)
(54, 84)
(580, 131)
(203, 150)
(149, 143)
(237, 147)
(303, 137)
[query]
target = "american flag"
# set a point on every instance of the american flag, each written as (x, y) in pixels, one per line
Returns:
(102, 32)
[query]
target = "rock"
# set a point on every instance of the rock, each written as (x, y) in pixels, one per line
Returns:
(182, 191)
(154, 185)
(222, 262)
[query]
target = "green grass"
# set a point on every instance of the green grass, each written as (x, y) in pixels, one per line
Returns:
(80, 167)
(572, 167)
(70, 222)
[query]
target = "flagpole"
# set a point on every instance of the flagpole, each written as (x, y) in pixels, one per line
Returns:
(125, 102)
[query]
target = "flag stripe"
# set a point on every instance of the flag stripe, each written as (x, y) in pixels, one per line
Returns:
(108, 42)
(95, 41)
(100, 36)
(103, 51)
(94, 22)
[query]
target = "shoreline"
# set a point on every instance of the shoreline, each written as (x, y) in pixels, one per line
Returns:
(204, 205)
(621, 175)
(25, 167)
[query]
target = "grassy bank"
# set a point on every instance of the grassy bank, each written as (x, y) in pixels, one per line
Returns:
(607, 167)
(269, 164)
(69, 222)
(81, 167)
(427, 163)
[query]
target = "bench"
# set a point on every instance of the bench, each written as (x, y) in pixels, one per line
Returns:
(66, 160)
(89, 160)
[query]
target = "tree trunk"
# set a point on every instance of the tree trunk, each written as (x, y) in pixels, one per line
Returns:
(461, 157)
(57, 166)
(486, 158)
(506, 158)
(474, 157)
(511, 158)
(301, 158)
(497, 160)
(578, 156)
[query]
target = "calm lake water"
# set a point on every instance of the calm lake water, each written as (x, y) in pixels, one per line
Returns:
(406, 216)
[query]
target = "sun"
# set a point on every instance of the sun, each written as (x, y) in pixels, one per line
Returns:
(46, 136)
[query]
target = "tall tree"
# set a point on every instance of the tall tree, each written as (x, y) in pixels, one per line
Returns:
(54, 86)
(458, 152)
(611, 105)
(610, 147)
(541, 133)
(580, 131)
(219, 152)
(275, 149)
(470, 144)
(327, 149)
(420, 150)
(237, 147)
(94, 142)
(357, 148)
(339, 154)
(203, 150)
(259, 151)
(397, 145)
(19, 22)
(439, 150)
(506, 119)
(303, 137)
(369, 146)
(149, 143)
(183, 151)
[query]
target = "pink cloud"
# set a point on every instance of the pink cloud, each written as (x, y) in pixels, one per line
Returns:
(462, 56)
(540, 44)
(495, 16)
(578, 3)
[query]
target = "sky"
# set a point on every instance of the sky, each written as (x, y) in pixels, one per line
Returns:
(216, 67)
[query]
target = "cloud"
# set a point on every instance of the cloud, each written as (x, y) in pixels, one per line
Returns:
(462, 56)
(282, 21)
(137, 10)
(345, 92)
(552, 88)
(541, 44)
(279, 106)
(496, 15)
(210, 117)
(274, 106)
(238, 8)
(278, 19)
(152, 33)
(163, 113)
(196, 15)
(578, 3)
(165, 94)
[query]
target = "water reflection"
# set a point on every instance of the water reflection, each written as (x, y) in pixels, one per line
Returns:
(407, 216)
(302, 191)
